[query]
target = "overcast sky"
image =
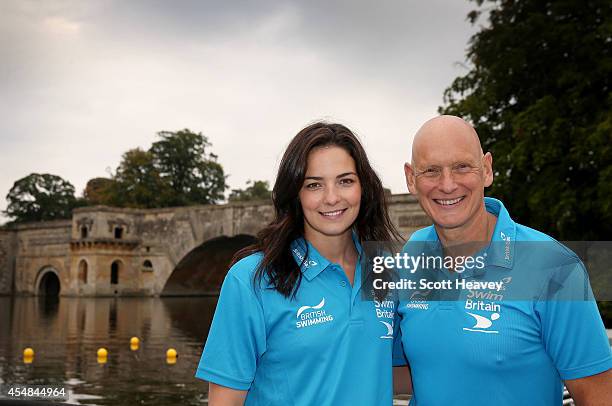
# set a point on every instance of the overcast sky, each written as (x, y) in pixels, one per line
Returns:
(84, 81)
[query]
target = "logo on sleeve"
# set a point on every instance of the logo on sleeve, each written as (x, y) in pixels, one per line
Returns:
(310, 315)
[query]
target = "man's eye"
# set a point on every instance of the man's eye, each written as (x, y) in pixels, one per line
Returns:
(462, 168)
(431, 172)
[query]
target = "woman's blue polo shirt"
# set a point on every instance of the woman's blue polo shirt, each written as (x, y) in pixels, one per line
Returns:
(326, 346)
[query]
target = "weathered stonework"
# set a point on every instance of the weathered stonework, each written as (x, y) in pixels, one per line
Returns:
(104, 251)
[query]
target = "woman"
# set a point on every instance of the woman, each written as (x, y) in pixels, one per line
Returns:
(290, 326)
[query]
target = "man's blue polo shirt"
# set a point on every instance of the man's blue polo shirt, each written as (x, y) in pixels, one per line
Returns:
(325, 347)
(482, 349)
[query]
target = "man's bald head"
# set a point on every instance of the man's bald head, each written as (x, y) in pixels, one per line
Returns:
(445, 130)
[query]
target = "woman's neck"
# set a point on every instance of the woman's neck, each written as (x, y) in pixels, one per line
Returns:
(338, 249)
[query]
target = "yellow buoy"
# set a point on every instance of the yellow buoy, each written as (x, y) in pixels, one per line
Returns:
(134, 341)
(171, 355)
(28, 352)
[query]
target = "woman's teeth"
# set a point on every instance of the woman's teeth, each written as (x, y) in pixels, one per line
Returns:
(332, 213)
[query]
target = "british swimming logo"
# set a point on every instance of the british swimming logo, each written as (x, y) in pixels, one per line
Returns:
(311, 315)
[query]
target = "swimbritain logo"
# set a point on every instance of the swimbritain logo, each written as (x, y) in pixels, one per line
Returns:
(385, 310)
(305, 264)
(311, 315)
(485, 302)
(483, 323)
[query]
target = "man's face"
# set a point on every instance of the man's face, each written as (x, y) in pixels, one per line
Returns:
(448, 175)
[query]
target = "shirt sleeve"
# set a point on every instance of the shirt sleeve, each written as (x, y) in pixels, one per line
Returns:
(399, 358)
(237, 337)
(572, 330)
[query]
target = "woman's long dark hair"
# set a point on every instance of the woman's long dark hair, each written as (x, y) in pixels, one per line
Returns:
(372, 223)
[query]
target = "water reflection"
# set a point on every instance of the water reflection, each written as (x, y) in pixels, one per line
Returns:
(65, 334)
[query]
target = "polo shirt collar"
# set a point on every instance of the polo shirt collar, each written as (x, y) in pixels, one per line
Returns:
(310, 261)
(501, 250)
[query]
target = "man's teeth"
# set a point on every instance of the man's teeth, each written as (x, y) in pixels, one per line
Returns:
(332, 213)
(449, 202)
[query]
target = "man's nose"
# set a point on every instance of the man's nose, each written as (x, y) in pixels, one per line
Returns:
(447, 181)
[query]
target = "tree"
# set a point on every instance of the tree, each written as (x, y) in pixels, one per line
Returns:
(98, 191)
(255, 190)
(39, 197)
(138, 183)
(194, 175)
(538, 93)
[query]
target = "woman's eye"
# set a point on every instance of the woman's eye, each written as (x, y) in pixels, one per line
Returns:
(313, 186)
(347, 181)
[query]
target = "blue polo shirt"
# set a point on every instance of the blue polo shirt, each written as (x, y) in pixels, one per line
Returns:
(326, 346)
(508, 347)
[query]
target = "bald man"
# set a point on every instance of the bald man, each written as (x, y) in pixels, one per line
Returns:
(475, 347)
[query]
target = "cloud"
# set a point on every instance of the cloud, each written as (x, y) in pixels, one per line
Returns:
(83, 82)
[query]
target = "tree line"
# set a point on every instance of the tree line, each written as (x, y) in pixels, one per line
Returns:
(178, 170)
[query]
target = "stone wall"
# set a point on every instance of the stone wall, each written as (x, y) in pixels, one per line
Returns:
(104, 251)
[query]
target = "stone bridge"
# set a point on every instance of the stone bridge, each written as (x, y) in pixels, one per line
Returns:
(105, 251)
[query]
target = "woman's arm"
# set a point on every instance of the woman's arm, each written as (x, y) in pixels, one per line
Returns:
(223, 396)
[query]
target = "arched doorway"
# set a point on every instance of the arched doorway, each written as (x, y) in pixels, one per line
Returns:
(114, 277)
(49, 284)
(83, 272)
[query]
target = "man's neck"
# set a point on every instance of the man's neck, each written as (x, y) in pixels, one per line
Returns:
(477, 233)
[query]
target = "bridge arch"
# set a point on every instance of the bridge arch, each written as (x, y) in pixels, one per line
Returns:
(48, 282)
(202, 270)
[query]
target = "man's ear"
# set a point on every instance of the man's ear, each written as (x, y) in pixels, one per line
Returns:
(410, 178)
(487, 163)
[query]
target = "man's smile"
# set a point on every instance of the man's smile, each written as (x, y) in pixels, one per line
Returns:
(449, 202)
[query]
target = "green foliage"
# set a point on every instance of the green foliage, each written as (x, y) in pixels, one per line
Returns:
(175, 171)
(255, 190)
(39, 197)
(138, 183)
(539, 96)
(98, 191)
(194, 175)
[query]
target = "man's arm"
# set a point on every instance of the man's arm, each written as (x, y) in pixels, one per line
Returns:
(223, 396)
(594, 390)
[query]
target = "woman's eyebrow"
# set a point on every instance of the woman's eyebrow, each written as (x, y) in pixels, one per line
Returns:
(337, 177)
(345, 174)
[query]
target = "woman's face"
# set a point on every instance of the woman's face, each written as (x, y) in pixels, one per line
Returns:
(331, 193)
